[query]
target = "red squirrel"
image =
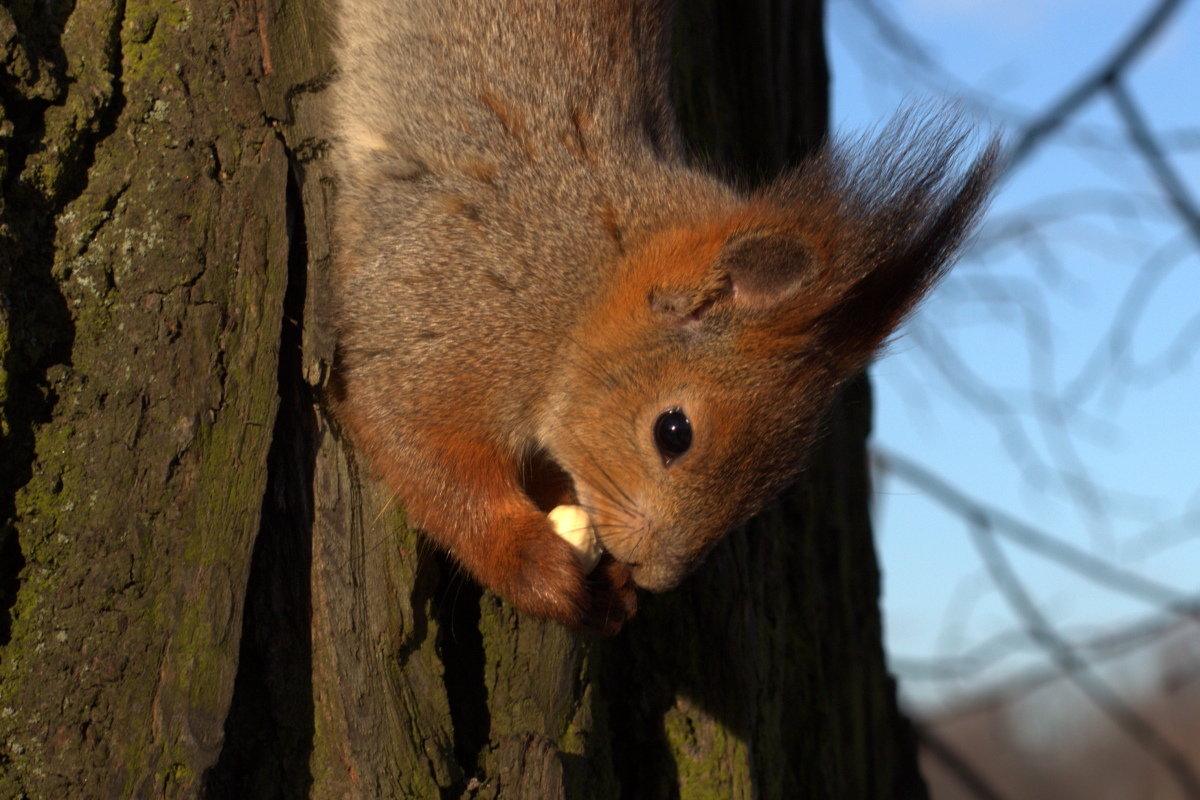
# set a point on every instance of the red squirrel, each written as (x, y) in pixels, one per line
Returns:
(539, 300)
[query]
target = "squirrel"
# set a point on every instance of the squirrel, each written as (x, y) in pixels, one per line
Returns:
(539, 300)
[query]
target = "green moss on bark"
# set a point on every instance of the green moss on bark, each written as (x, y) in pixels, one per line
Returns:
(146, 462)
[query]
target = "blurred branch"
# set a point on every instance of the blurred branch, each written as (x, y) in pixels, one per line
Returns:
(1097, 80)
(956, 764)
(1004, 413)
(915, 56)
(1178, 354)
(1051, 460)
(1077, 669)
(979, 514)
(1163, 535)
(897, 37)
(1092, 505)
(1116, 342)
(990, 652)
(958, 374)
(1152, 152)
(1061, 207)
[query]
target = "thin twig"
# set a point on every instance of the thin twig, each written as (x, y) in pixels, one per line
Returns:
(956, 764)
(990, 652)
(1152, 152)
(1095, 569)
(1077, 669)
(1097, 80)
(1117, 341)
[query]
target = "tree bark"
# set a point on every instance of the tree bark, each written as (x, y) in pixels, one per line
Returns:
(201, 592)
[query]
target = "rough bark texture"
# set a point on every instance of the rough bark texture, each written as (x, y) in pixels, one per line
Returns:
(145, 260)
(201, 595)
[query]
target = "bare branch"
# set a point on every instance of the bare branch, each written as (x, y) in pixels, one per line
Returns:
(990, 652)
(1112, 349)
(1164, 535)
(977, 513)
(1077, 668)
(956, 764)
(1150, 149)
(1097, 80)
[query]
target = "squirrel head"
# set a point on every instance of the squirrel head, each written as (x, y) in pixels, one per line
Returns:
(698, 380)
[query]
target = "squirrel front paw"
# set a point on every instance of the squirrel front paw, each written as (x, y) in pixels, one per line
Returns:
(612, 598)
(541, 574)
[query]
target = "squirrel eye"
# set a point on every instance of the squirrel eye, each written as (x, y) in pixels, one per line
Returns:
(672, 434)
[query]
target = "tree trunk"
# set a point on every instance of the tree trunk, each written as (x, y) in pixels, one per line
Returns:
(203, 595)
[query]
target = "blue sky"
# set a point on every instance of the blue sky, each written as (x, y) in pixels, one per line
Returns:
(1026, 315)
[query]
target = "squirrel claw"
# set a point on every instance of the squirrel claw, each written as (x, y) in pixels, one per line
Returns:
(612, 598)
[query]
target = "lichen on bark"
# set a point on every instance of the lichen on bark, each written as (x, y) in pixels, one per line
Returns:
(143, 354)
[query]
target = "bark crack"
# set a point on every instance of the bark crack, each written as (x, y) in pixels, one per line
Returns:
(269, 727)
(460, 646)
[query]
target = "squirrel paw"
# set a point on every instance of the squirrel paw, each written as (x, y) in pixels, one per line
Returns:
(548, 581)
(612, 598)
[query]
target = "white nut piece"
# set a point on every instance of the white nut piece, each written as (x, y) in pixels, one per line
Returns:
(574, 526)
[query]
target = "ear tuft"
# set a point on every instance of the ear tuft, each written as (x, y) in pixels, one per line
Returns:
(919, 242)
(889, 216)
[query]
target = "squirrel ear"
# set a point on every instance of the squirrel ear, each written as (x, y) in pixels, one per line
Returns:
(755, 268)
(765, 266)
(687, 305)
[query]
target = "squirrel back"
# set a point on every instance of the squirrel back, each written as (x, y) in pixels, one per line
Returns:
(512, 149)
(531, 281)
